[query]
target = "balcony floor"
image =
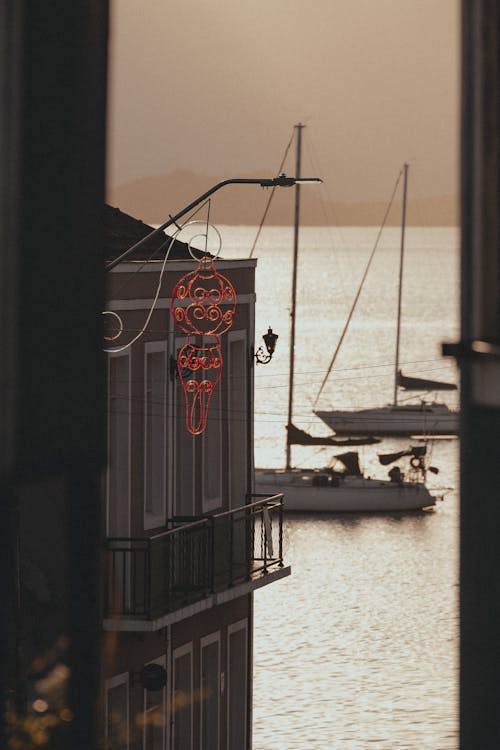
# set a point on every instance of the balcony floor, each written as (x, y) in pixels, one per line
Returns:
(136, 624)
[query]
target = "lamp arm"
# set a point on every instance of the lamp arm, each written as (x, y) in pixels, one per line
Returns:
(262, 357)
(281, 181)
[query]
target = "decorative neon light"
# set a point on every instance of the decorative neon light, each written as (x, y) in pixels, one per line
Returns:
(197, 299)
(203, 304)
(199, 369)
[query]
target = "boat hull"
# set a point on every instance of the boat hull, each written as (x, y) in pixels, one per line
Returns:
(352, 495)
(393, 420)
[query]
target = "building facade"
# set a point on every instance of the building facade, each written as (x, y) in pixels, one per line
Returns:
(186, 542)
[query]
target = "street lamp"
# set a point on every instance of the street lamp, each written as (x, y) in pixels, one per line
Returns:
(196, 310)
(280, 181)
(270, 340)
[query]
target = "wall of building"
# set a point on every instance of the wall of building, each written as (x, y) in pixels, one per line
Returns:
(206, 655)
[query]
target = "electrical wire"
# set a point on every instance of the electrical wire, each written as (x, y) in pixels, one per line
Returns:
(356, 298)
(188, 222)
(116, 350)
(158, 249)
(235, 379)
(271, 196)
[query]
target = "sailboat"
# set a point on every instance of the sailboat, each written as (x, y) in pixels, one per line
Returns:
(341, 486)
(421, 418)
(424, 418)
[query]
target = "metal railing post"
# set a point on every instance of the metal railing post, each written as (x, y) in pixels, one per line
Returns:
(280, 512)
(264, 537)
(147, 583)
(211, 555)
(132, 585)
(124, 581)
(251, 551)
(249, 541)
(231, 548)
(167, 586)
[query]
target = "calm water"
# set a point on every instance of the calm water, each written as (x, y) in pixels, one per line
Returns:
(359, 647)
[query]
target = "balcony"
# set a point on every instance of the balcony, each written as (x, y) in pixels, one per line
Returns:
(197, 563)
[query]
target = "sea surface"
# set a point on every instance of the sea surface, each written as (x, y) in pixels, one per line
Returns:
(358, 648)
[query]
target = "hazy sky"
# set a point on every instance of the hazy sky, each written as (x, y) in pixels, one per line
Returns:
(215, 86)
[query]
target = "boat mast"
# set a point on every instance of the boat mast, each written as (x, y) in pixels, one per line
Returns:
(400, 287)
(298, 129)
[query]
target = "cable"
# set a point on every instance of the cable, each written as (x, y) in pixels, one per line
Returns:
(118, 349)
(139, 268)
(356, 298)
(307, 374)
(158, 249)
(271, 196)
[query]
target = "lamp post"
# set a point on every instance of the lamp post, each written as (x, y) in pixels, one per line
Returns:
(280, 181)
(202, 315)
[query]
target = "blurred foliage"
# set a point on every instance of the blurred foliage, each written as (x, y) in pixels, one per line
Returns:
(38, 715)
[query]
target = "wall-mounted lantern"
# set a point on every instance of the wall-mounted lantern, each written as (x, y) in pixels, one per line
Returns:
(151, 677)
(270, 339)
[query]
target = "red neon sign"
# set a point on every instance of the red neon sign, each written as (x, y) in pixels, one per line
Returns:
(203, 304)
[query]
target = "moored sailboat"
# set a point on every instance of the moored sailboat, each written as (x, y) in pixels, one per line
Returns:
(331, 489)
(425, 417)
(346, 489)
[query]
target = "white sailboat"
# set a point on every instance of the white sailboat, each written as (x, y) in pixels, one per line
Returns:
(347, 490)
(331, 489)
(421, 418)
(424, 418)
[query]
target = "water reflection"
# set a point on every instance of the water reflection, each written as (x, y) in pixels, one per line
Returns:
(358, 647)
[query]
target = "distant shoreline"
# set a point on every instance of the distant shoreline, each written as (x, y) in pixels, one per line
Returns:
(409, 227)
(152, 199)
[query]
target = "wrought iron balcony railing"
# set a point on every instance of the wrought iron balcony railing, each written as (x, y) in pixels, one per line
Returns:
(151, 576)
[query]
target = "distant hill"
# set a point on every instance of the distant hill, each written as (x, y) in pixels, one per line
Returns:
(152, 199)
